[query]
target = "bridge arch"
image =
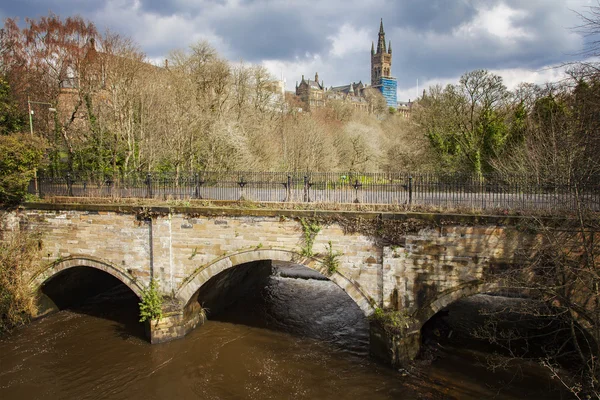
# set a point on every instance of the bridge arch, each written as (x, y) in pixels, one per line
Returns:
(205, 273)
(57, 267)
(445, 299)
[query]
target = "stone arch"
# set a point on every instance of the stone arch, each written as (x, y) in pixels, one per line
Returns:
(445, 299)
(85, 261)
(202, 275)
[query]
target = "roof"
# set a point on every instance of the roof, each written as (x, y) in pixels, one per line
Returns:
(312, 84)
(346, 88)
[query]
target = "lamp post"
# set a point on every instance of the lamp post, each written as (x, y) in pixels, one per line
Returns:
(29, 103)
(52, 109)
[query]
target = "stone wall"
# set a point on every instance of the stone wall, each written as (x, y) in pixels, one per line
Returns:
(444, 258)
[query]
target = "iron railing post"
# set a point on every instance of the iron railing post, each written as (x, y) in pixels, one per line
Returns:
(242, 183)
(149, 186)
(306, 189)
(40, 182)
(69, 185)
(410, 189)
(357, 185)
(109, 183)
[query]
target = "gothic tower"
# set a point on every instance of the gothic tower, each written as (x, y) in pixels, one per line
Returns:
(381, 61)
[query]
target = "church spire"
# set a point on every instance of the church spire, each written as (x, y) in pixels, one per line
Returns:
(381, 43)
(372, 48)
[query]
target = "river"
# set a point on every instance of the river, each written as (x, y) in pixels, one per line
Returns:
(295, 338)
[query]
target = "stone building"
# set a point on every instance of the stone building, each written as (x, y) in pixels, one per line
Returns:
(314, 94)
(352, 94)
(311, 93)
(404, 108)
(381, 69)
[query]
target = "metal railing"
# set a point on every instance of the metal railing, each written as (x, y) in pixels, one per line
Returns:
(428, 189)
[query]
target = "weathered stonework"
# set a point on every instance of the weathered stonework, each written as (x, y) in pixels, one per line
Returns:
(447, 257)
(174, 325)
(394, 350)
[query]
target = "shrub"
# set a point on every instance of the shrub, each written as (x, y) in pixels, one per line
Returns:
(151, 304)
(18, 253)
(21, 155)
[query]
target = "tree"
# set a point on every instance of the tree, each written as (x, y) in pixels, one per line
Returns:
(47, 56)
(562, 310)
(590, 27)
(377, 103)
(557, 140)
(21, 156)
(114, 111)
(11, 119)
(467, 123)
(560, 146)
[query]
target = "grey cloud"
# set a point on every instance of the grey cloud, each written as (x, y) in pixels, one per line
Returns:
(439, 16)
(271, 34)
(422, 32)
(169, 7)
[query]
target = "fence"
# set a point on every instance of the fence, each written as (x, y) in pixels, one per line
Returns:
(442, 190)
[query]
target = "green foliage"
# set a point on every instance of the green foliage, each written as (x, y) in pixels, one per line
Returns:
(21, 155)
(393, 322)
(151, 304)
(469, 124)
(310, 229)
(11, 119)
(331, 259)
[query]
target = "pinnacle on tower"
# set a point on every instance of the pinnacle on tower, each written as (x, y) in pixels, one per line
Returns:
(381, 43)
(372, 48)
(390, 48)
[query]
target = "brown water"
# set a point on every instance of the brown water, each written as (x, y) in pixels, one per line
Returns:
(98, 351)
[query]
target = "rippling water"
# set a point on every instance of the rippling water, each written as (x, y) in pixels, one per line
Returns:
(98, 351)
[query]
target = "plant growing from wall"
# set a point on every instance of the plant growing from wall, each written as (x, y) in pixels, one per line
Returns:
(331, 259)
(310, 230)
(393, 322)
(151, 304)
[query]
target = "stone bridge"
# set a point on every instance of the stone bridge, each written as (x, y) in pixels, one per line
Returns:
(414, 262)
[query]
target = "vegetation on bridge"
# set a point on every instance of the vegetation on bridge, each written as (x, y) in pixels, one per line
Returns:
(151, 304)
(19, 257)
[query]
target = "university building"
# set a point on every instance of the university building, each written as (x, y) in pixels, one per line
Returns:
(314, 94)
(381, 70)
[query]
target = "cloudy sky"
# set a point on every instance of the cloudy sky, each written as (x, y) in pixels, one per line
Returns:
(433, 41)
